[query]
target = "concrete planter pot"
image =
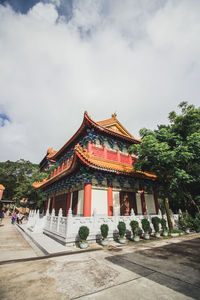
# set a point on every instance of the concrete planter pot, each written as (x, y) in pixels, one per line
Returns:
(157, 235)
(83, 244)
(146, 236)
(136, 238)
(187, 230)
(165, 233)
(174, 234)
(122, 240)
(104, 242)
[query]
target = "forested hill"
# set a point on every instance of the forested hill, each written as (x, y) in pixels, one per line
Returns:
(17, 178)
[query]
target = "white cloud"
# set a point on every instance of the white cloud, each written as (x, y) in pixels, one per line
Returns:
(139, 58)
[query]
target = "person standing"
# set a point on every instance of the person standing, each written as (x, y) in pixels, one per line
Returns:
(14, 216)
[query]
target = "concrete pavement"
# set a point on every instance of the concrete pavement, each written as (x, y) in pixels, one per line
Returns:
(167, 269)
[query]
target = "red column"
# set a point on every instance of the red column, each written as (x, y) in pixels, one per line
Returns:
(143, 203)
(110, 201)
(68, 199)
(156, 201)
(87, 200)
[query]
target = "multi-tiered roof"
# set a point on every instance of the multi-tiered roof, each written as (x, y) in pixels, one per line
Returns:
(84, 151)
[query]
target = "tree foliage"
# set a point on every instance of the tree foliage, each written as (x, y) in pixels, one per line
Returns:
(18, 177)
(172, 152)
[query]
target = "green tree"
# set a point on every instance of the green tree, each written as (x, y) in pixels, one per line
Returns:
(18, 178)
(172, 152)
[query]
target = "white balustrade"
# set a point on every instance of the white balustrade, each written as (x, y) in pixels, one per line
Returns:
(66, 228)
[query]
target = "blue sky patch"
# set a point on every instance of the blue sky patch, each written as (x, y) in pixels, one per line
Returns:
(3, 118)
(23, 6)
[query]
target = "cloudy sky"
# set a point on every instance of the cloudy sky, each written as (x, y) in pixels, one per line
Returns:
(58, 58)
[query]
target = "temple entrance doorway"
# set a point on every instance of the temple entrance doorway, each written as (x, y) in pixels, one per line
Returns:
(60, 202)
(127, 202)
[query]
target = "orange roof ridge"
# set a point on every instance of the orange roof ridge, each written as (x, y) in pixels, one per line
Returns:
(109, 164)
(119, 131)
(113, 124)
(95, 162)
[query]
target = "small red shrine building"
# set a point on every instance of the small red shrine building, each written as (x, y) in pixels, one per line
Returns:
(93, 171)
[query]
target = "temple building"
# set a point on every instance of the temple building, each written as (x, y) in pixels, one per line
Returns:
(94, 173)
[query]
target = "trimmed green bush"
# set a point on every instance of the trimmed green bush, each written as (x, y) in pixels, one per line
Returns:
(83, 233)
(104, 230)
(156, 222)
(122, 229)
(145, 225)
(135, 227)
(196, 225)
(185, 220)
(163, 224)
(177, 231)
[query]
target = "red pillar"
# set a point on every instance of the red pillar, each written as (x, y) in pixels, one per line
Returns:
(143, 203)
(156, 201)
(87, 200)
(110, 201)
(68, 199)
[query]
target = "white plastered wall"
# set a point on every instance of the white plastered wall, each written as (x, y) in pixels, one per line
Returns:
(80, 202)
(99, 202)
(138, 202)
(150, 204)
(116, 202)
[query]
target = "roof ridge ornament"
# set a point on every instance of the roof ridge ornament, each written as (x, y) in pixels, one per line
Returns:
(114, 116)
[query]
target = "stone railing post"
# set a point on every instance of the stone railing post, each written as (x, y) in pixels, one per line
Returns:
(37, 217)
(60, 214)
(69, 223)
(52, 216)
(132, 213)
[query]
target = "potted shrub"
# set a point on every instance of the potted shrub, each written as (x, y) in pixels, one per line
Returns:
(83, 234)
(146, 228)
(156, 222)
(104, 232)
(135, 227)
(164, 227)
(186, 221)
(122, 230)
(197, 224)
(176, 232)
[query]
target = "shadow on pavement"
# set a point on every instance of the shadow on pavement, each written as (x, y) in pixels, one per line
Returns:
(176, 266)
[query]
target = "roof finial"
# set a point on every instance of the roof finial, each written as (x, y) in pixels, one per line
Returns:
(114, 116)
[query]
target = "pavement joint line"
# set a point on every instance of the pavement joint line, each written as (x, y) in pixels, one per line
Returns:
(159, 272)
(51, 255)
(109, 287)
(124, 282)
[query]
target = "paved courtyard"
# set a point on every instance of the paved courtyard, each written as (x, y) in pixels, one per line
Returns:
(167, 269)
